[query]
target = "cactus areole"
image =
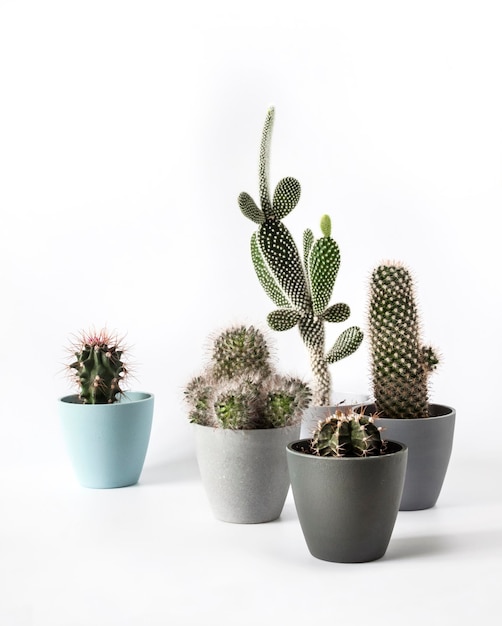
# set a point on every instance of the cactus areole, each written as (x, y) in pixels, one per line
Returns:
(98, 369)
(300, 287)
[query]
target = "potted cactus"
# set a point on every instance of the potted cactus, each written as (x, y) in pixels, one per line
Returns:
(400, 370)
(106, 429)
(352, 520)
(244, 413)
(300, 287)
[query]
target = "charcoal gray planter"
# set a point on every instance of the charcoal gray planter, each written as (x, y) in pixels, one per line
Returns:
(429, 442)
(343, 402)
(107, 443)
(347, 506)
(244, 472)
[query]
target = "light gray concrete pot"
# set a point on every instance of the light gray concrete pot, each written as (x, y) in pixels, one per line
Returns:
(429, 442)
(341, 401)
(244, 472)
(347, 506)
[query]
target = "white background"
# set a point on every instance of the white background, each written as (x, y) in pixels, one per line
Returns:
(127, 131)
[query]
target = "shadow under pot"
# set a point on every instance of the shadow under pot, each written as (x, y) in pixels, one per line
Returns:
(244, 472)
(347, 506)
(107, 443)
(429, 441)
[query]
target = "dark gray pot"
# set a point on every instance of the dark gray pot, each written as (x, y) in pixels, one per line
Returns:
(429, 442)
(347, 507)
(244, 472)
(341, 401)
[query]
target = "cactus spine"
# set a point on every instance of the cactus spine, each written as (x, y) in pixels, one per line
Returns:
(347, 435)
(400, 364)
(301, 288)
(98, 369)
(240, 389)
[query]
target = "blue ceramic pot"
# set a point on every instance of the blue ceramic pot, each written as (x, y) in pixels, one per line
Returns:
(107, 443)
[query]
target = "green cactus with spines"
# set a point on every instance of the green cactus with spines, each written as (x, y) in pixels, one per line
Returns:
(301, 287)
(240, 389)
(98, 369)
(238, 351)
(400, 364)
(236, 404)
(199, 397)
(347, 435)
(284, 396)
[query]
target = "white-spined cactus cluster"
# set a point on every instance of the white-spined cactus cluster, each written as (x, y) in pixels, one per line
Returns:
(300, 288)
(239, 389)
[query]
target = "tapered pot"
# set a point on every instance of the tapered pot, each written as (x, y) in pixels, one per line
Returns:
(429, 441)
(107, 443)
(244, 472)
(343, 402)
(347, 506)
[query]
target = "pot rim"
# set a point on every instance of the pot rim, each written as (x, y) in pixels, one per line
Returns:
(445, 411)
(73, 399)
(401, 447)
(244, 430)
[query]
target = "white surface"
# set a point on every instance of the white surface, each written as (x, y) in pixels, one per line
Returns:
(153, 554)
(127, 131)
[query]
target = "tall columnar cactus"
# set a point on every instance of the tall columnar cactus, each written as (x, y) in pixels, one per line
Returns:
(301, 287)
(98, 369)
(239, 388)
(347, 435)
(400, 364)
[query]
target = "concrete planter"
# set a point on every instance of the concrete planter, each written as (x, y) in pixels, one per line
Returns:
(347, 506)
(244, 472)
(429, 442)
(107, 443)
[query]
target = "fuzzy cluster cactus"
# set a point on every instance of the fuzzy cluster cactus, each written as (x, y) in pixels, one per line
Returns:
(301, 288)
(400, 364)
(98, 369)
(347, 435)
(239, 388)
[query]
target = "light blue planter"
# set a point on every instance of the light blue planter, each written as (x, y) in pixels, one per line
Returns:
(107, 443)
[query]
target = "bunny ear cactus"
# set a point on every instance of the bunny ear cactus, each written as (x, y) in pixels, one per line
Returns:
(301, 288)
(347, 435)
(98, 369)
(400, 364)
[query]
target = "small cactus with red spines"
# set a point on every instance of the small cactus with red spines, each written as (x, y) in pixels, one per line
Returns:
(98, 369)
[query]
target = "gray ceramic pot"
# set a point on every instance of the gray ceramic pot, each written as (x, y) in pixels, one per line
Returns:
(244, 472)
(107, 443)
(347, 507)
(429, 442)
(341, 401)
